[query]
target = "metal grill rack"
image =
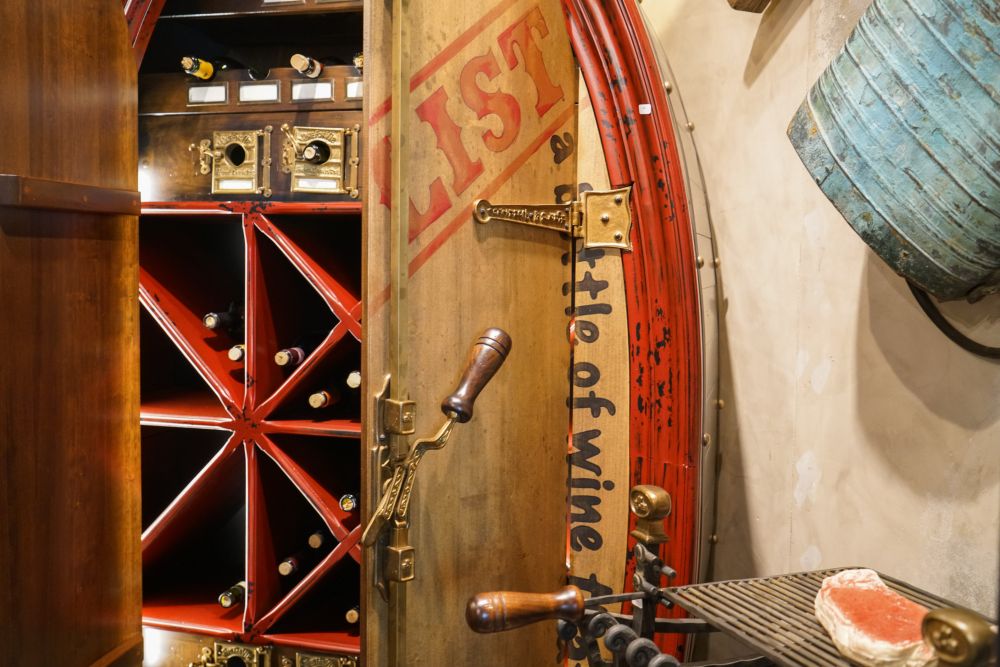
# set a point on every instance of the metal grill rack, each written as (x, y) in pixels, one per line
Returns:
(776, 616)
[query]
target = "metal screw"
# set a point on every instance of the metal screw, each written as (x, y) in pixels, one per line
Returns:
(605, 218)
(700, 261)
(618, 199)
(713, 538)
(668, 86)
(706, 439)
(690, 126)
(720, 404)
(618, 236)
(717, 261)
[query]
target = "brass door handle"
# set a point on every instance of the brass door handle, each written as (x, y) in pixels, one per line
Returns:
(485, 359)
(487, 355)
(505, 610)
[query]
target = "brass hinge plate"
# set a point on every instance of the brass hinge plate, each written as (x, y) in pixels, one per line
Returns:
(603, 219)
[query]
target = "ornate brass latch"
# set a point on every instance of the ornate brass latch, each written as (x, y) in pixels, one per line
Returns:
(601, 219)
(237, 162)
(393, 510)
(316, 158)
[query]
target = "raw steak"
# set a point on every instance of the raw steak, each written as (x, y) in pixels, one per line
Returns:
(871, 624)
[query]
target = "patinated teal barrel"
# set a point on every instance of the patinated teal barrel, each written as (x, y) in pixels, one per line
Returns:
(902, 133)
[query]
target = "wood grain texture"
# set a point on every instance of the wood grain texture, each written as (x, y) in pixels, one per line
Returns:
(499, 611)
(69, 514)
(40, 193)
(489, 510)
(599, 455)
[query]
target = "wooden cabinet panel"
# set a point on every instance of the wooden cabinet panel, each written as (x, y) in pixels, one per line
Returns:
(69, 518)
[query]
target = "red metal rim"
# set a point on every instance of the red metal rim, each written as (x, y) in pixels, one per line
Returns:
(618, 64)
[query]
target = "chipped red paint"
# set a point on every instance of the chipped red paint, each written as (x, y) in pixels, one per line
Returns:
(618, 65)
(141, 16)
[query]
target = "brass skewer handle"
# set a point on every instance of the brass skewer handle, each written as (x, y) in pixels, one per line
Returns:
(505, 610)
(488, 354)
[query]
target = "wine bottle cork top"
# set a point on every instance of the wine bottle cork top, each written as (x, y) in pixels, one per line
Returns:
(316, 540)
(286, 357)
(187, 62)
(211, 320)
(354, 379)
(300, 62)
(236, 352)
(353, 615)
(319, 400)
(287, 566)
(348, 502)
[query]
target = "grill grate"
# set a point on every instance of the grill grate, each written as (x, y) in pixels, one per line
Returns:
(775, 615)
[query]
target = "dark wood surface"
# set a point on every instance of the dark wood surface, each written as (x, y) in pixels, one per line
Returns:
(206, 8)
(167, 93)
(26, 192)
(69, 515)
(171, 170)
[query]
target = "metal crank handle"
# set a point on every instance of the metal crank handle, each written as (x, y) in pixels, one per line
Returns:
(505, 610)
(486, 357)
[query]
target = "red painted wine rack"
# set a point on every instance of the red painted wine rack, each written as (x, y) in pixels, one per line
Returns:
(237, 468)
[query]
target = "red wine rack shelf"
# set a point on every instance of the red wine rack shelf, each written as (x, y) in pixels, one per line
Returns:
(237, 469)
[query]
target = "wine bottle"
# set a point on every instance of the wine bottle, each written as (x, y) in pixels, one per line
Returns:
(317, 539)
(354, 379)
(199, 68)
(237, 352)
(230, 320)
(233, 595)
(204, 69)
(348, 502)
(316, 152)
(353, 614)
(324, 398)
(294, 355)
(289, 566)
(306, 66)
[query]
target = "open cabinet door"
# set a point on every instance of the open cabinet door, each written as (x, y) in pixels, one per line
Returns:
(69, 394)
(489, 88)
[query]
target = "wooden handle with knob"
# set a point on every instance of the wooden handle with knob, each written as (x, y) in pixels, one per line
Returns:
(506, 610)
(486, 357)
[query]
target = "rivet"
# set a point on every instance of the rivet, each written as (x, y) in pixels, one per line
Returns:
(618, 199)
(700, 261)
(720, 404)
(605, 218)
(706, 439)
(668, 86)
(690, 126)
(618, 236)
(713, 538)
(717, 261)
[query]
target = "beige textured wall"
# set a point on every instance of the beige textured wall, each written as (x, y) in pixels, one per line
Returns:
(853, 432)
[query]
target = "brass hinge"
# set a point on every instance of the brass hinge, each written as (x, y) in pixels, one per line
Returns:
(601, 219)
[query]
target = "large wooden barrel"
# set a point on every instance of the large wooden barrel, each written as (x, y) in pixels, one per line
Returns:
(902, 133)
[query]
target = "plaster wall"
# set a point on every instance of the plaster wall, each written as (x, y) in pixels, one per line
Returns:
(853, 432)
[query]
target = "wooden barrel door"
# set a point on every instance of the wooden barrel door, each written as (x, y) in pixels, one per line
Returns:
(69, 400)
(520, 194)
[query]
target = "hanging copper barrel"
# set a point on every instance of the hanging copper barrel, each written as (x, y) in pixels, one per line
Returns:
(902, 134)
